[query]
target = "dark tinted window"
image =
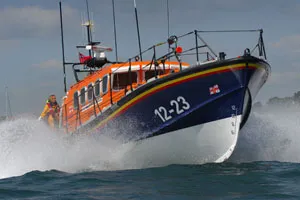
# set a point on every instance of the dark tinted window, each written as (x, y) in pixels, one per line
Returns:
(121, 80)
(82, 96)
(104, 84)
(151, 73)
(75, 100)
(90, 92)
(97, 88)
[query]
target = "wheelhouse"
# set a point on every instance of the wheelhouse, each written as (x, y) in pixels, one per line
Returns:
(99, 90)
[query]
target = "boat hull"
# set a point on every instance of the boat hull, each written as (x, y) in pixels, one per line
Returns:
(204, 107)
(205, 143)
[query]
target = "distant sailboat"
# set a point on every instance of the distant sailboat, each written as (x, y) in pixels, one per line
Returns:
(8, 113)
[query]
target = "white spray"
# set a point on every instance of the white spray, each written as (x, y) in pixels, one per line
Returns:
(27, 145)
(271, 134)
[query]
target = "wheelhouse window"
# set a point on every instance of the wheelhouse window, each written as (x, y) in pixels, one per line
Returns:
(121, 80)
(104, 84)
(75, 100)
(82, 96)
(90, 92)
(97, 88)
(151, 73)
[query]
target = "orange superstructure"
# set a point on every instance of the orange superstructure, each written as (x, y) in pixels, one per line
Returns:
(100, 89)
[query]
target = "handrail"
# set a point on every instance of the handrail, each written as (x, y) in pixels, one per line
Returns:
(231, 31)
(195, 32)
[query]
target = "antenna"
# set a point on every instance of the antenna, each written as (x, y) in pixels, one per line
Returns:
(88, 25)
(82, 28)
(115, 31)
(138, 30)
(87, 9)
(63, 47)
(168, 17)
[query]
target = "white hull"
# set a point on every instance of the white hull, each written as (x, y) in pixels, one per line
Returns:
(206, 143)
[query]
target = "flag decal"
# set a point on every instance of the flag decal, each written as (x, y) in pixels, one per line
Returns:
(214, 90)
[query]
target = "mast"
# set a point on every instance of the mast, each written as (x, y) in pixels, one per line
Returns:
(115, 30)
(138, 30)
(63, 48)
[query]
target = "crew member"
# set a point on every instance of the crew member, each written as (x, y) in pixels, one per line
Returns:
(51, 112)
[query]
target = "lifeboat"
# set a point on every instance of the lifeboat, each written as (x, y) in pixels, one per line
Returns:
(177, 103)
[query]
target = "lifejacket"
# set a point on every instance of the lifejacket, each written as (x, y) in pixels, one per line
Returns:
(53, 108)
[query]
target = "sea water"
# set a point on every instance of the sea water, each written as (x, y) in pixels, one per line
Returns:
(36, 163)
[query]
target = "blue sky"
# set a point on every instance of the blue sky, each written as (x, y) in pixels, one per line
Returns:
(30, 48)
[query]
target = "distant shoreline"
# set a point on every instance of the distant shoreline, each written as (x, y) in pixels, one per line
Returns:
(281, 101)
